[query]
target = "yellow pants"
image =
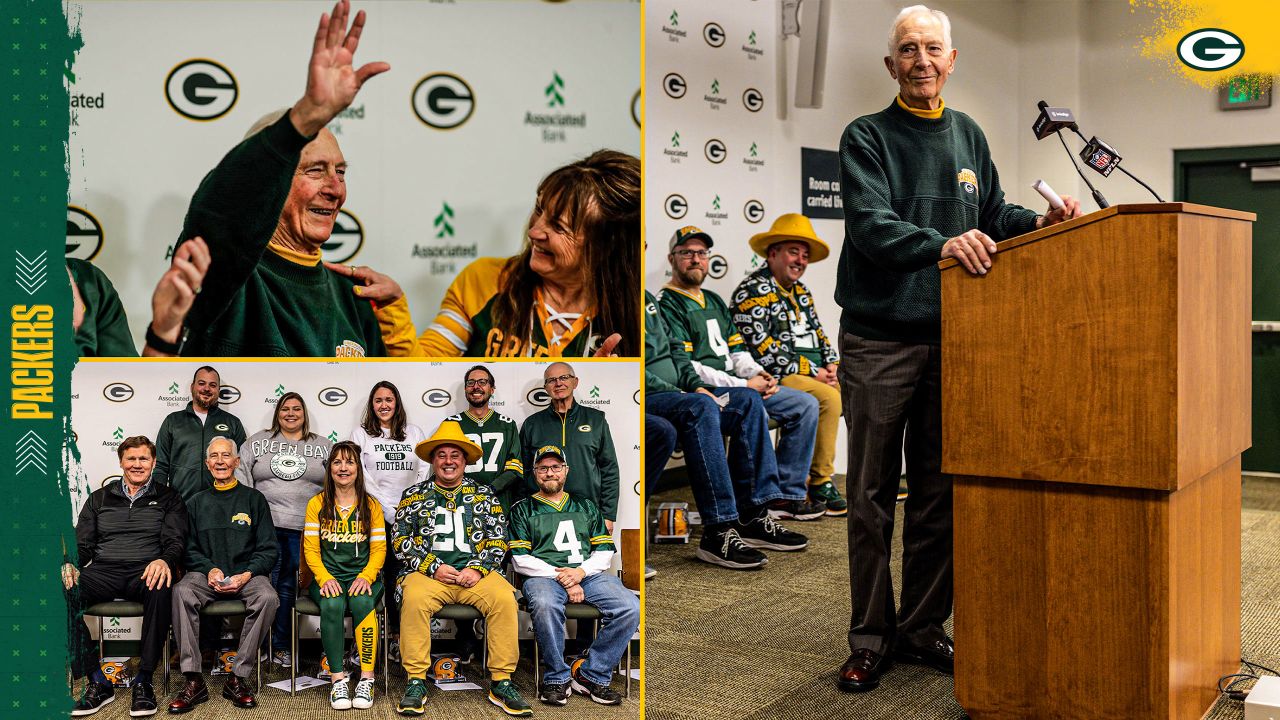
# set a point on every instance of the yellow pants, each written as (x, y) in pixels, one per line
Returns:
(423, 597)
(824, 446)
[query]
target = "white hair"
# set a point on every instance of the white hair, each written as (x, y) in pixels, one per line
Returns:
(222, 438)
(908, 12)
(269, 119)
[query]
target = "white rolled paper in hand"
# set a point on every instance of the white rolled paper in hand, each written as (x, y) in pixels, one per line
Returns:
(1047, 193)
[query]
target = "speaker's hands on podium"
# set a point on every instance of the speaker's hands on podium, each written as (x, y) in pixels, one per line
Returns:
(332, 82)
(1070, 208)
(972, 249)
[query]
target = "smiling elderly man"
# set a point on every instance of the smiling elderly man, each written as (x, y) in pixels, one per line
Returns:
(266, 209)
(918, 185)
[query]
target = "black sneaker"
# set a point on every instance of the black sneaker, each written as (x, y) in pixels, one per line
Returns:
(602, 694)
(144, 700)
(762, 531)
(94, 697)
(721, 545)
(796, 510)
(553, 694)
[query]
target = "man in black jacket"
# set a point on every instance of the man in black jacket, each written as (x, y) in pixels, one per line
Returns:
(130, 538)
(185, 434)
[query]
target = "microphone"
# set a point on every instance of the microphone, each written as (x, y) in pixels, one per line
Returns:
(1051, 122)
(1103, 158)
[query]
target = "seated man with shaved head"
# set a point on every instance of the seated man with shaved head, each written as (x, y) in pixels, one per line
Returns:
(583, 434)
(264, 212)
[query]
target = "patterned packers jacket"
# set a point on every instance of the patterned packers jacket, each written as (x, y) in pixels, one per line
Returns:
(781, 329)
(421, 507)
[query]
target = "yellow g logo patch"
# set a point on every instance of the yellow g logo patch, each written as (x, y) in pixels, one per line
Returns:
(241, 519)
(968, 180)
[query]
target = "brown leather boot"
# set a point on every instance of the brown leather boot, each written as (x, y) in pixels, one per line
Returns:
(238, 692)
(193, 693)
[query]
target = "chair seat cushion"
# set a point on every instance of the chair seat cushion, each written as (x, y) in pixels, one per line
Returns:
(115, 608)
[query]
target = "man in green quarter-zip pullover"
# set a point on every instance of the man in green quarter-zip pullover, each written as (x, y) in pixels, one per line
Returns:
(184, 435)
(583, 433)
(918, 185)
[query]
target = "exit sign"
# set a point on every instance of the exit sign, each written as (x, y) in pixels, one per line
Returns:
(1242, 93)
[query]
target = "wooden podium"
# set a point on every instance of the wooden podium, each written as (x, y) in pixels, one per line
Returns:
(1095, 404)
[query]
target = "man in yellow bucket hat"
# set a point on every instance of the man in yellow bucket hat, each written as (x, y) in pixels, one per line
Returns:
(775, 314)
(450, 537)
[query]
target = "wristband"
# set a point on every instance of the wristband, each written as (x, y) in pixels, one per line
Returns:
(165, 346)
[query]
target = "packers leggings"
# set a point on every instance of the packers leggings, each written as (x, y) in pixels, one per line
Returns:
(332, 611)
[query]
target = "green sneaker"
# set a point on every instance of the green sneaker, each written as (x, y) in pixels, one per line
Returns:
(415, 696)
(827, 495)
(504, 694)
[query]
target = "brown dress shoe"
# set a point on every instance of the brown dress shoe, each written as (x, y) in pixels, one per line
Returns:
(939, 655)
(193, 693)
(238, 692)
(862, 671)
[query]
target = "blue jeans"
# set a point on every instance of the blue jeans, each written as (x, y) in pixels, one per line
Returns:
(621, 610)
(797, 415)
(659, 443)
(284, 578)
(748, 476)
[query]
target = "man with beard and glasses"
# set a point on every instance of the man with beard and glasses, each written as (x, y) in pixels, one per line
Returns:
(450, 535)
(500, 467)
(184, 435)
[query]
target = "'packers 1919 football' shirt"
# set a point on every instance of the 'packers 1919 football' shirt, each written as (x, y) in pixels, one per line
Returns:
(499, 466)
(563, 534)
(704, 324)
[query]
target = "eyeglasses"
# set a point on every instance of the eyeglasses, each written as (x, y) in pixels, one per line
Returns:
(548, 469)
(700, 254)
(476, 383)
(558, 378)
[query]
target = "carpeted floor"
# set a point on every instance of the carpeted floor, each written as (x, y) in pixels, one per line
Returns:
(314, 703)
(724, 644)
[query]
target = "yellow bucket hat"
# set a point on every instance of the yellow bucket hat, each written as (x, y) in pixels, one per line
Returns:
(787, 228)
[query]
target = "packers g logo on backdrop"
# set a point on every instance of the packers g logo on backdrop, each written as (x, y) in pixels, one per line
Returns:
(968, 180)
(201, 89)
(84, 234)
(443, 101)
(345, 241)
(1210, 49)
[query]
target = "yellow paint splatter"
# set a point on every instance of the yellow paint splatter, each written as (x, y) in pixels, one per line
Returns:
(1253, 21)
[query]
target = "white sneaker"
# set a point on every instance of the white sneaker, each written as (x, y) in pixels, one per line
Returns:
(282, 658)
(339, 697)
(364, 694)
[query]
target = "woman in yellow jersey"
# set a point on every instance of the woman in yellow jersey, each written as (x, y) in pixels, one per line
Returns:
(344, 542)
(573, 291)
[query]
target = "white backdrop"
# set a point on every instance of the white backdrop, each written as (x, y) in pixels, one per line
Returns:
(548, 84)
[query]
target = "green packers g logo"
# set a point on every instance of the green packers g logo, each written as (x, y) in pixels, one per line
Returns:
(1210, 49)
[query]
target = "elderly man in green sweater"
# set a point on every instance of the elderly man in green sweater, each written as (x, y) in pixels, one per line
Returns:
(918, 185)
(231, 548)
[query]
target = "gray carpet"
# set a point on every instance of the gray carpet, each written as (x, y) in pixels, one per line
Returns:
(460, 704)
(723, 644)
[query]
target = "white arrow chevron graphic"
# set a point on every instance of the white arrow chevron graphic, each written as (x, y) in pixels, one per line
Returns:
(31, 274)
(31, 451)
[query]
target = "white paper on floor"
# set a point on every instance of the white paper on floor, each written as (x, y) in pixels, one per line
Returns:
(305, 682)
(457, 686)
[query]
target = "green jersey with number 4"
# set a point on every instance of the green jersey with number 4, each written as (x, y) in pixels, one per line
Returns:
(499, 467)
(704, 324)
(563, 534)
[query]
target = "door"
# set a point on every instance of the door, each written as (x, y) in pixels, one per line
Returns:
(1223, 177)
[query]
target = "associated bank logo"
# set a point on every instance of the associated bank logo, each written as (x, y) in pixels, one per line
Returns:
(674, 85)
(201, 89)
(674, 153)
(753, 211)
(675, 206)
(716, 215)
(717, 266)
(750, 48)
(173, 388)
(117, 392)
(753, 100)
(594, 391)
(672, 28)
(555, 97)
(715, 151)
(345, 241)
(714, 101)
(436, 398)
(118, 434)
(228, 395)
(752, 159)
(332, 396)
(443, 101)
(443, 223)
(554, 126)
(1210, 49)
(538, 396)
(713, 34)
(84, 234)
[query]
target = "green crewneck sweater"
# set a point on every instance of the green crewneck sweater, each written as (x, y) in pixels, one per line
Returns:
(105, 330)
(254, 302)
(231, 530)
(908, 185)
(667, 367)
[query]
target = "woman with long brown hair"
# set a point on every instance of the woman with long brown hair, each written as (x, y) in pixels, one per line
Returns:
(572, 291)
(345, 543)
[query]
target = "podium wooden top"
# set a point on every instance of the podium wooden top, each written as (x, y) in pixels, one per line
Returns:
(1100, 215)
